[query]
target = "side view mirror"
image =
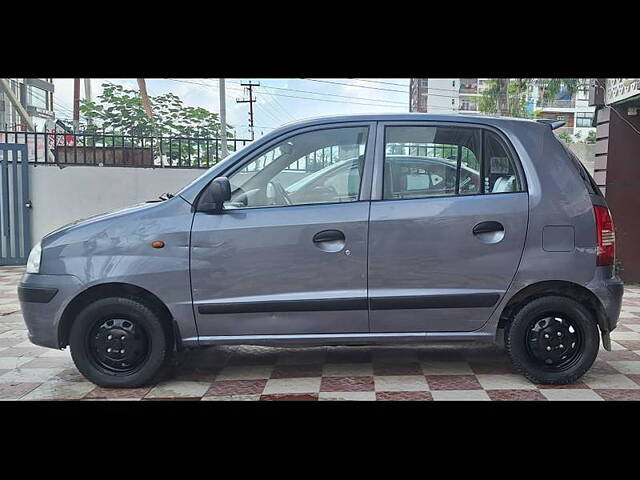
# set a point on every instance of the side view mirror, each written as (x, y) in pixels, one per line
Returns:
(213, 198)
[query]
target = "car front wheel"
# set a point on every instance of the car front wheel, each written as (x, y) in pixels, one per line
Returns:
(553, 340)
(118, 342)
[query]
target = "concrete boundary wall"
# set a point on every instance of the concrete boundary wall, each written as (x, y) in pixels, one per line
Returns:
(61, 196)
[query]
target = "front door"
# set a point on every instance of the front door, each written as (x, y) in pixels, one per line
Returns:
(288, 253)
(448, 227)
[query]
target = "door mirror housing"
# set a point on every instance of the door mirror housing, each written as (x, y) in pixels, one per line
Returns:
(213, 198)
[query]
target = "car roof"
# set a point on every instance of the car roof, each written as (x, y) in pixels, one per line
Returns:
(413, 117)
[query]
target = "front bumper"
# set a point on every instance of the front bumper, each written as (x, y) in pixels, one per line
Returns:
(43, 299)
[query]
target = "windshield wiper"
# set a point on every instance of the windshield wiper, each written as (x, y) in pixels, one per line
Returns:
(166, 196)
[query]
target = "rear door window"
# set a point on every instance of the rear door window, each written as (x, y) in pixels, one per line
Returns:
(423, 162)
(500, 174)
(432, 161)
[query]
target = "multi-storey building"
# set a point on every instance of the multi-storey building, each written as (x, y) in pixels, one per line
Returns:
(446, 95)
(36, 96)
(571, 107)
(462, 96)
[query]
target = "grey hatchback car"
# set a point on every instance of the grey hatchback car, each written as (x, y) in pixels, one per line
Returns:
(344, 230)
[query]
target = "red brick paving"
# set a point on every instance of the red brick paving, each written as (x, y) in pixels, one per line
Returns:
(404, 396)
(619, 394)
(453, 382)
(237, 387)
(347, 384)
(520, 395)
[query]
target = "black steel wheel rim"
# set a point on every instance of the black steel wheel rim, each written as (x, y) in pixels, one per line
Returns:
(555, 341)
(118, 345)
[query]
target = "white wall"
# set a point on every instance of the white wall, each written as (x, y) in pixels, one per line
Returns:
(440, 93)
(62, 196)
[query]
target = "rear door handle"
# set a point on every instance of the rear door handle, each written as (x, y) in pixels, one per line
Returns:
(488, 227)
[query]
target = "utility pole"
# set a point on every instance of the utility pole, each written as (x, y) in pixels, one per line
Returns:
(146, 104)
(87, 92)
(249, 87)
(76, 104)
(223, 118)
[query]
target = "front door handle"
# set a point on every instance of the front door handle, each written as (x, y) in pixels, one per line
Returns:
(329, 240)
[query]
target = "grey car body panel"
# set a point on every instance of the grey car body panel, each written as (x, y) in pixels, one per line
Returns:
(425, 247)
(268, 255)
(115, 248)
(43, 319)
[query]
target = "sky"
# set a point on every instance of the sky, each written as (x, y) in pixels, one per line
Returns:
(279, 101)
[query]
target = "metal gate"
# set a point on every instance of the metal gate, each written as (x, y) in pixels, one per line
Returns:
(15, 240)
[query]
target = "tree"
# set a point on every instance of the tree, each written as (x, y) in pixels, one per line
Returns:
(121, 109)
(120, 113)
(511, 96)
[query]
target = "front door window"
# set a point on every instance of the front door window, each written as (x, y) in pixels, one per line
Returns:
(323, 166)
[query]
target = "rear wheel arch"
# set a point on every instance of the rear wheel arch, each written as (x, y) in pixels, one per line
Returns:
(560, 288)
(117, 289)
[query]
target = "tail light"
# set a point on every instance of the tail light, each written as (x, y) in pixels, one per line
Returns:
(605, 234)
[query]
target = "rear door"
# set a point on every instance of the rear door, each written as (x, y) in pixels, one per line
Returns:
(447, 227)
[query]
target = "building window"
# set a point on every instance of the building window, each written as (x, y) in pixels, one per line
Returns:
(468, 85)
(469, 103)
(37, 98)
(584, 119)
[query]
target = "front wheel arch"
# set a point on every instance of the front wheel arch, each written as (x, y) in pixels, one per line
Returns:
(116, 289)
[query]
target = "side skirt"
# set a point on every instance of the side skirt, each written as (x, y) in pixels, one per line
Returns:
(338, 338)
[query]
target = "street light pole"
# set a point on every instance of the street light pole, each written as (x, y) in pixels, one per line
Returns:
(223, 118)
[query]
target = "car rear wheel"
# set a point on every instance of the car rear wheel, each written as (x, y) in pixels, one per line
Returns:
(118, 342)
(553, 340)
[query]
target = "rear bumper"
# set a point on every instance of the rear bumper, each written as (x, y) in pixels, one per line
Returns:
(610, 293)
(43, 299)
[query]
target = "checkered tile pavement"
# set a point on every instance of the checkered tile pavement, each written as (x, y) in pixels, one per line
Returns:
(412, 372)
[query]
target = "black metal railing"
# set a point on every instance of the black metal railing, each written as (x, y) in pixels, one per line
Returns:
(444, 151)
(121, 150)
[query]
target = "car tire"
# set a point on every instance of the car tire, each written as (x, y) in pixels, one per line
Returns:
(553, 340)
(119, 342)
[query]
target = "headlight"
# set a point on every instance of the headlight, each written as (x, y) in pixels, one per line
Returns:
(33, 263)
